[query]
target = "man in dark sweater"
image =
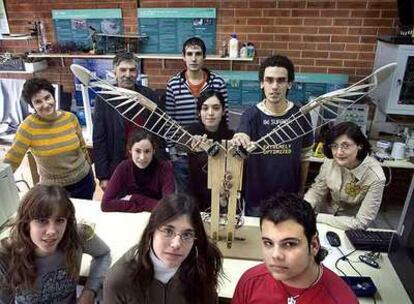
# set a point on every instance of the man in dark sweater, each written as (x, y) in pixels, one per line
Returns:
(110, 130)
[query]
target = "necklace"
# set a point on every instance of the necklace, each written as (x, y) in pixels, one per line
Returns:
(292, 299)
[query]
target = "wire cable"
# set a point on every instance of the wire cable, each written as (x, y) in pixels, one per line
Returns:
(344, 257)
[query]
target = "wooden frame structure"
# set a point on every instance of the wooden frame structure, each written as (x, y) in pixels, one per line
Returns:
(224, 159)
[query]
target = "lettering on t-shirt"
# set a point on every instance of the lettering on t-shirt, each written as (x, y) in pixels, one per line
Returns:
(274, 121)
(278, 149)
(56, 286)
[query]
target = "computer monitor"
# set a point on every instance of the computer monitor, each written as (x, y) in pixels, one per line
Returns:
(401, 252)
(9, 196)
(405, 16)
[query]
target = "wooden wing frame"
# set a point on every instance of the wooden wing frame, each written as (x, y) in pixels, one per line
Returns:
(130, 104)
(334, 103)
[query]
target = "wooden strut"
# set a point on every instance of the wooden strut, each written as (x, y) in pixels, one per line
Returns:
(225, 171)
(226, 163)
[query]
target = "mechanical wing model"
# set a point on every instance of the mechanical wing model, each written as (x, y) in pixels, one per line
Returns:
(225, 162)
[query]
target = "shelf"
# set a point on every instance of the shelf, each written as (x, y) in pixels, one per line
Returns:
(162, 57)
(70, 56)
(128, 36)
(16, 72)
(16, 37)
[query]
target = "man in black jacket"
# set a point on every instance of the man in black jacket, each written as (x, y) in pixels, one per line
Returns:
(109, 128)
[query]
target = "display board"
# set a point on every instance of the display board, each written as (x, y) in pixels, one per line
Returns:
(74, 28)
(244, 86)
(168, 28)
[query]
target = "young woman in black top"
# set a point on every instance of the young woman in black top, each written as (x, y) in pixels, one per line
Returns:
(212, 125)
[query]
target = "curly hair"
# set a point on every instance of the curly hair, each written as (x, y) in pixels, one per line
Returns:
(42, 201)
(33, 86)
(278, 61)
(200, 271)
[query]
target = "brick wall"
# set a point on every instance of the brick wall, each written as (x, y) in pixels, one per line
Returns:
(332, 36)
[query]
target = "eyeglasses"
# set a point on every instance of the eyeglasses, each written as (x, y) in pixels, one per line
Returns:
(187, 237)
(342, 146)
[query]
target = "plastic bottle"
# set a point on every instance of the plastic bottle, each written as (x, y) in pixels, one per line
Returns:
(243, 51)
(251, 51)
(144, 80)
(233, 46)
(224, 50)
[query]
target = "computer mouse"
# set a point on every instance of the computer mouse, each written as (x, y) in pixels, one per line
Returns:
(333, 239)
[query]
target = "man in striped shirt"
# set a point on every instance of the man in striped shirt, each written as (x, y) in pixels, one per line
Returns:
(182, 92)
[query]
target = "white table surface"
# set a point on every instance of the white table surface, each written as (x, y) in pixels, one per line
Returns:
(123, 230)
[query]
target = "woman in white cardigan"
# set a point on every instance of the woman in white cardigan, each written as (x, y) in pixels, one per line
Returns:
(347, 193)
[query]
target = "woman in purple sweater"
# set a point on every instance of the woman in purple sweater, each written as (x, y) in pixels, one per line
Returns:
(139, 182)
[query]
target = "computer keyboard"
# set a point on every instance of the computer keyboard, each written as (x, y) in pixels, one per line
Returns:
(378, 241)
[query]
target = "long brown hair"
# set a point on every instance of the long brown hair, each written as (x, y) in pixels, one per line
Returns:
(41, 201)
(199, 273)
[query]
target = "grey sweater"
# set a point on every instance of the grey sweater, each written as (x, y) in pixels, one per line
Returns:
(53, 282)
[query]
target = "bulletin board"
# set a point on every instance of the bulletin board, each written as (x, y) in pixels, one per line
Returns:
(73, 27)
(168, 28)
(244, 86)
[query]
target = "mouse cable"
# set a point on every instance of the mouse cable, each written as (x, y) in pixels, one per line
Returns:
(344, 257)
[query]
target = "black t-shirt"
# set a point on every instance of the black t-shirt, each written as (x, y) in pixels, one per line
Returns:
(277, 168)
(198, 164)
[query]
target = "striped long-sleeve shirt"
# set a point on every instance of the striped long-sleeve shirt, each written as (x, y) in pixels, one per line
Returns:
(57, 146)
(181, 104)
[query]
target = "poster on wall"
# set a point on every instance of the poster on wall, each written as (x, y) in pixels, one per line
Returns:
(168, 28)
(4, 26)
(76, 28)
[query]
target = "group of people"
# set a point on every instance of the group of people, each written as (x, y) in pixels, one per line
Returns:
(162, 268)
(174, 261)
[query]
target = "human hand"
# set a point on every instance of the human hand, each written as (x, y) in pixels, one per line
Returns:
(103, 184)
(197, 141)
(240, 139)
(87, 297)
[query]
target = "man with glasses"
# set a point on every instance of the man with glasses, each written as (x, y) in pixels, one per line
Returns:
(110, 130)
(280, 167)
(292, 271)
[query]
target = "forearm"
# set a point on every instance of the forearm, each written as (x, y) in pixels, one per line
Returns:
(101, 261)
(341, 222)
(137, 203)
